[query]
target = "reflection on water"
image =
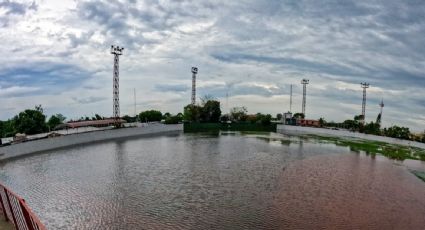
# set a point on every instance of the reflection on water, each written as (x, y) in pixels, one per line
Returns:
(210, 181)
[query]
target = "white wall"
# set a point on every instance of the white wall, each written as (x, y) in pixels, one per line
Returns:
(28, 147)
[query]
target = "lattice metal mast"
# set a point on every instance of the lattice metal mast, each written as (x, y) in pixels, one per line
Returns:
(116, 51)
(380, 114)
(364, 86)
(194, 72)
(290, 101)
(304, 82)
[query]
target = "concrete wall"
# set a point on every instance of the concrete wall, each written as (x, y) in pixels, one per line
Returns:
(24, 148)
(288, 129)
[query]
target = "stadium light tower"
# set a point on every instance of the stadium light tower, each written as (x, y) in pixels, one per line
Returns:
(194, 72)
(379, 120)
(304, 82)
(364, 86)
(290, 100)
(116, 51)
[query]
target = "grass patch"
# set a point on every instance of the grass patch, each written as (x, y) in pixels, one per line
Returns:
(393, 151)
(420, 175)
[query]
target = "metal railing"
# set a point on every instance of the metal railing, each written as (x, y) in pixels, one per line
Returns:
(17, 211)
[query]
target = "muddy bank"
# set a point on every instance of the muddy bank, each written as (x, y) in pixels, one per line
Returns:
(349, 192)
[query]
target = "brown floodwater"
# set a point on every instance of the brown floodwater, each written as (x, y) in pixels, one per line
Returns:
(349, 192)
(224, 181)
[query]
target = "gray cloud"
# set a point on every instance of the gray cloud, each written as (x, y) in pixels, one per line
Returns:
(88, 100)
(178, 88)
(12, 9)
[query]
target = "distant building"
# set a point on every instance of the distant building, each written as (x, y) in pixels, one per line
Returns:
(288, 119)
(94, 123)
(310, 123)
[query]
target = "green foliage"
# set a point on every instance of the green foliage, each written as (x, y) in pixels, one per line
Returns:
(262, 119)
(174, 119)
(299, 115)
(358, 117)
(7, 128)
(166, 115)
(150, 115)
(397, 152)
(129, 119)
(279, 116)
(351, 124)
(55, 120)
(98, 117)
(192, 113)
(210, 111)
(239, 113)
(397, 132)
(225, 118)
(419, 174)
(30, 121)
(372, 128)
(322, 122)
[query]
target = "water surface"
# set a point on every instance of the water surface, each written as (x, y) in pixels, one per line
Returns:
(226, 181)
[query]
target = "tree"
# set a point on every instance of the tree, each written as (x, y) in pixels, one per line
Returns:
(372, 128)
(423, 137)
(398, 132)
(266, 119)
(192, 113)
(299, 115)
(351, 124)
(239, 113)
(150, 115)
(129, 119)
(30, 121)
(322, 122)
(98, 117)
(210, 111)
(173, 119)
(166, 115)
(358, 117)
(279, 116)
(7, 128)
(224, 118)
(55, 120)
(207, 98)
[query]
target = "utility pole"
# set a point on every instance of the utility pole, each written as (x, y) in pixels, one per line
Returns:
(116, 51)
(364, 86)
(194, 72)
(304, 82)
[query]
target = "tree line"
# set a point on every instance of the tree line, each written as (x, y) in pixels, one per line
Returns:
(209, 112)
(374, 128)
(30, 121)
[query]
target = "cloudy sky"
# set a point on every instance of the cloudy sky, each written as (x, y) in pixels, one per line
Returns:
(57, 53)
